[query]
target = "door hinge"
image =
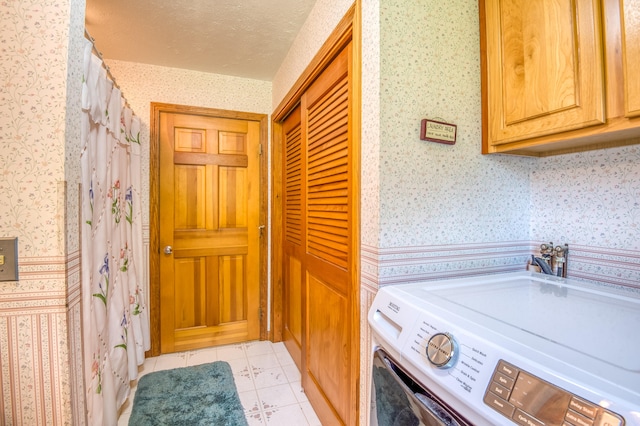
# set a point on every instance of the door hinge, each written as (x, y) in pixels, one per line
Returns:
(259, 149)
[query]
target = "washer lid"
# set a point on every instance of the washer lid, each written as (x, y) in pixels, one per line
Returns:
(597, 321)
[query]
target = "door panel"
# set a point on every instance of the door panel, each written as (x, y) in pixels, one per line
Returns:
(328, 343)
(545, 74)
(209, 215)
(233, 198)
(293, 253)
(631, 55)
(330, 287)
(189, 189)
(190, 301)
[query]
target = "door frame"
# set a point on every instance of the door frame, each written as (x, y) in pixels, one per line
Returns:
(154, 209)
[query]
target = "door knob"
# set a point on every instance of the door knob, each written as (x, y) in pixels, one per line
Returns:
(168, 250)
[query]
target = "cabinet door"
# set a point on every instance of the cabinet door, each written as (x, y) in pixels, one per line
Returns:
(544, 67)
(631, 55)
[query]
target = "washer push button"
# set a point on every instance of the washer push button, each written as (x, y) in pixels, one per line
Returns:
(577, 419)
(501, 391)
(525, 419)
(507, 369)
(583, 413)
(499, 404)
(497, 394)
(503, 380)
(583, 407)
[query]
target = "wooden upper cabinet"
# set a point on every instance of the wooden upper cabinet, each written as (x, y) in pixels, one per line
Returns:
(552, 75)
(631, 55)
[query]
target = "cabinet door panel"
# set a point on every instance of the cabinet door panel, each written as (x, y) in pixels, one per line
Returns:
(631, 55)
(545, 67)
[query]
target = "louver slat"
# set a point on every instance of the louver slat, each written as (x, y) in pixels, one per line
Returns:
(328, 177)
(293, 186)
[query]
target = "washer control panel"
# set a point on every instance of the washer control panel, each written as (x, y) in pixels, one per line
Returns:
(531, 401)
(442, 350)
(462, 364)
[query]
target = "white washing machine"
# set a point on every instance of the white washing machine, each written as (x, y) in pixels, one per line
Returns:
(520, 348)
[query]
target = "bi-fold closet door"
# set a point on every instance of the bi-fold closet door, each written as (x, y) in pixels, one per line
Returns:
(320, 286)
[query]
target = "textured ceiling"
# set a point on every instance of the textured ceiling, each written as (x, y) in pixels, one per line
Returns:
(243, 38)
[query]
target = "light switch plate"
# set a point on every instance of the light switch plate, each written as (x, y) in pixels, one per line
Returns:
(9, 252)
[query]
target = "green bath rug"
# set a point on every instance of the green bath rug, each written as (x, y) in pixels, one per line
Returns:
(200, 395)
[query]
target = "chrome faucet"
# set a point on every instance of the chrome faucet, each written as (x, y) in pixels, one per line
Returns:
(552, 261)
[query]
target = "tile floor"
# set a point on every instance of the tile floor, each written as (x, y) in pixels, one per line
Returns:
(267, 379)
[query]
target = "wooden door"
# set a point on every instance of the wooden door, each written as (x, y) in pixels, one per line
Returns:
(315, 227)
(330, 348)
(294, 175)
(209, 230)
(545, 71)
(630, 10)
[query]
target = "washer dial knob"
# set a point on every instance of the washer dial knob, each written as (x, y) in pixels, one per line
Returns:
(442, 350)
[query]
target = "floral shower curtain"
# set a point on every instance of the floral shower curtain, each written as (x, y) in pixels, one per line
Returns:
(115, 322)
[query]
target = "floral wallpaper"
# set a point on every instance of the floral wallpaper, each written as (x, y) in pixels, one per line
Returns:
(432, 210)
(370, 128)
(324, 17)
(38, 137)
(32, 123)
(592, 198)
(433, 194)
(591, 201)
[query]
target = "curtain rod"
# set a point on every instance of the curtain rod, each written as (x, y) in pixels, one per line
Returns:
(105, 66)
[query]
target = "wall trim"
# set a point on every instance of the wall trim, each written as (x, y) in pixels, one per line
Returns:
(397, 265)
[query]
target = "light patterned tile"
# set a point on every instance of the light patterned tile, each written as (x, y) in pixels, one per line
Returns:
(301, 396)
(256, 419)
(250, 402)
(231, 352)
(238, 365)
(167, 362)
(258, 348)
(292, 373)
(284, 358)
(278, 347)
(242, 375)
(202, 356)
(265, 361)
(276, 396)
(243, 383)
(289, 415)
(269, 377)
(310, 414)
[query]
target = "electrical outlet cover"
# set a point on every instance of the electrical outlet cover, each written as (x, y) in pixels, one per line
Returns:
(9, 249)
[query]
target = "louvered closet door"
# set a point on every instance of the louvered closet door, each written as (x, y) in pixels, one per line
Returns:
(329, 282)
(294, 235)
